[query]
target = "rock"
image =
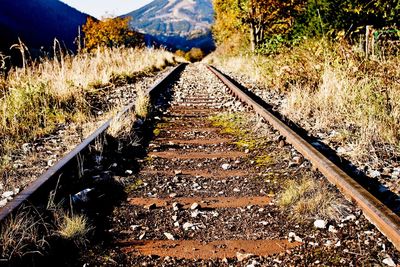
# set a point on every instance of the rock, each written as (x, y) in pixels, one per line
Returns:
(226, 166)
(3, 202)
(389, 262)
(341, 150)
(187, 225)
(375, 174)
(135, 227)
(281, 143)
(176, 206)
(350, 217)
(142, 236)
(332, 229)
(195, 214)
(298, 160)
(253, 264)
(242, 256)
(169, 236)
(173, 195)
(7, 194)
(236, 190)
(247, 151)
(1, 187)
(50, 162)
(293, 237)
(128, 172)
(195, 206)
(175, 218)
(395, 174)
(176, 224)
(321, 224)
(177, 172)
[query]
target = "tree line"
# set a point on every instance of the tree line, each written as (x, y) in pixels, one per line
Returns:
(259, 21)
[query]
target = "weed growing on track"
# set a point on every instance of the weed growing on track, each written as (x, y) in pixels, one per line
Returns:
(330, 87)
(74, 228)
(36, 99)
(309, 198)
(23, 234)
(142, 104)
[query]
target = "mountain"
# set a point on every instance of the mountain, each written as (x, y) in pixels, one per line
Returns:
(177, 24)
(38, 22)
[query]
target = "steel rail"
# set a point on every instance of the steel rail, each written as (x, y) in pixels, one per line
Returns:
(57, 169)
(375, 211)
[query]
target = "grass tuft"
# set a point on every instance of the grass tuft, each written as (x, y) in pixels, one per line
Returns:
(308, 198)
(142, 104)
(74, 228)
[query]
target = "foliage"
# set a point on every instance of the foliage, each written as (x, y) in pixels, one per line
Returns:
(195, 54)
(110, 32)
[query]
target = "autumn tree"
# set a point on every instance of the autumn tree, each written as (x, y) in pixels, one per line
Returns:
(268, 17)
(110, 32)
(195, 54)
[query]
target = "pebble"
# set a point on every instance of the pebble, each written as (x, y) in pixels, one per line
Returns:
(332, 229)
(175, 218)
(195, 214)
(195, 206)
(389, 262)
(226, 166)
(242, 256)
(175, 206)
(375, 174)
(3, 202)
(187, 225)
(321, 224)
(7, 194)
(129, 172)
(236, 190)
(173, 195)
(169, 236)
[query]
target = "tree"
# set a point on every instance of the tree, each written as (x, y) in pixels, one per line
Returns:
(110, 32)
(268, 17)
(195, 54)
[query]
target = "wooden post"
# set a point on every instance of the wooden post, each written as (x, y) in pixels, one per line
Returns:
(368, 42)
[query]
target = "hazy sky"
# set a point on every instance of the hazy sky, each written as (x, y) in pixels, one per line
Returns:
(99, 8)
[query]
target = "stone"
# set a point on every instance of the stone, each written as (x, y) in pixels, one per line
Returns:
(236, 190)
(375, 174)
(332, 229)
(128, 172)
(173, 195)
(177, 172)
(3, 202)
(169, 236)
(7, 194)
(389, 262)
(226, 166)
(175, 218)
(298, 160)
(350, 217)
(321, 224)
(195, 206)
(243, 256)
(176, 206)
(187, 225)
(195, 214)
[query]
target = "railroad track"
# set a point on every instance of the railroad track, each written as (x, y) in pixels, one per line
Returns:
(206, 195)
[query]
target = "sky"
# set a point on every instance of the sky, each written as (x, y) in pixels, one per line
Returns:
(100, 8)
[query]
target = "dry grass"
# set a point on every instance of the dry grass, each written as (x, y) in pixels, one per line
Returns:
(74, 228)
(142, 104)
(36, 99)
(332, 87)
(22, 234)
(308, 198)
(121, 126)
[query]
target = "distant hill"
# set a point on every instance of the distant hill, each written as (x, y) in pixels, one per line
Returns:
(177, 24)
(38, 22)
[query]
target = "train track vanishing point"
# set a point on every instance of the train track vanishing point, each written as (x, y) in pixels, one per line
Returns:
(199, 197)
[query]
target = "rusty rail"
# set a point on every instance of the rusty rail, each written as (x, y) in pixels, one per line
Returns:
(52, 173)
(377, 213)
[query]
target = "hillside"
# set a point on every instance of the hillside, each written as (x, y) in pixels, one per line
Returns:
(177, 24)
(38, 22)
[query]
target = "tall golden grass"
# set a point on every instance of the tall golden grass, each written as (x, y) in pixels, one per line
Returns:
(35, 99)
(332, 87)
